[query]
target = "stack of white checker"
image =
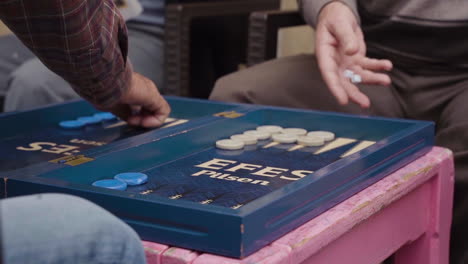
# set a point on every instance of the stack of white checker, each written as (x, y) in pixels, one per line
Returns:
(277, 134)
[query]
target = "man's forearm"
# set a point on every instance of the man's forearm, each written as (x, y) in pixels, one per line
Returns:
(311, 8)
(84, 41)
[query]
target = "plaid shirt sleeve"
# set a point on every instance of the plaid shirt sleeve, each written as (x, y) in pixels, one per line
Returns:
(84, 41)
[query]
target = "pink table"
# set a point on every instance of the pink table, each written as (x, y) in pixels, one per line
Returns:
(407, 213)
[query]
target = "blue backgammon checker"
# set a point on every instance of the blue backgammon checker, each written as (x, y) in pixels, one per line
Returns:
(72, 124)
(234, 202)
(112, 184)
(89, 120)
(106, 116)
(132, 178)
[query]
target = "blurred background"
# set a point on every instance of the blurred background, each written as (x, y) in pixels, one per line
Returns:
(207, 39)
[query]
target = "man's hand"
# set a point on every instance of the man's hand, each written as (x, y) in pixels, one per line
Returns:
(142, 105)
(340, 46)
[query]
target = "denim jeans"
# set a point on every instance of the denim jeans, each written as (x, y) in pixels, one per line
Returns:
(58, 228)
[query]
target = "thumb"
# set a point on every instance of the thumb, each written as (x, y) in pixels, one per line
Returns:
(144, 94)
(347, 38)
(153, 102)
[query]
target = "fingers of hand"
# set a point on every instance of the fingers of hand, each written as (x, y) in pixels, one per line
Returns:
(355, 95)
(338, 19)
(346, 36)
(331, 59)
(336, 88)
(151, 118)
(371, 70)
(158, 106)
(152, 121)
(326, 58)
(145, 119)
(376, 64)
(344, 91)
(153, 108)
(123, 111)
(370, 77)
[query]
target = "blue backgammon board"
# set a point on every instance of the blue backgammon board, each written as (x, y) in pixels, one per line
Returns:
(227, 202)
(32, 137)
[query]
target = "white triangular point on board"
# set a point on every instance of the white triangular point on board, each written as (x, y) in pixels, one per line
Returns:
(296, 147)
(339, 142)
(364, 144)
(121, 123)
(271, 144)
(169, 119)
(176, 123)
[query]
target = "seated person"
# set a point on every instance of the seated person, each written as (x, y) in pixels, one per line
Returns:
(410, 62)
(84, 42)
(59, 229)
(26, 83)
